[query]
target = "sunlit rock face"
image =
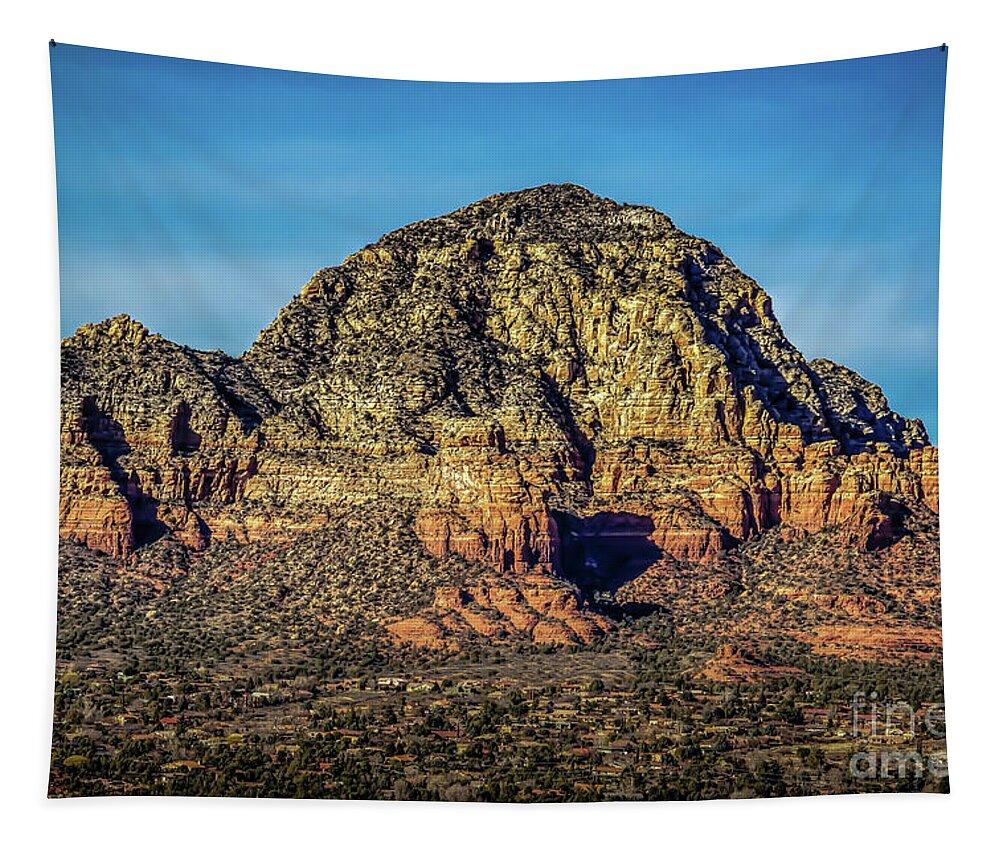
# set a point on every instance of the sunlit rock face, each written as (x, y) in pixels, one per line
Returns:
(549, 381)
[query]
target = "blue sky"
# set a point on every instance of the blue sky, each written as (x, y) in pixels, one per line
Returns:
(199, 197)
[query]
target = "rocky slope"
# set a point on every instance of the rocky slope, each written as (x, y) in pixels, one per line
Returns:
(556, 385)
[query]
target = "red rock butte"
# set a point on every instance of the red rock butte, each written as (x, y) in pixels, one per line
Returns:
(550, 381)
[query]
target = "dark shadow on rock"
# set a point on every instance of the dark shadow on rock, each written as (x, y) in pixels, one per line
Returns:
(583, 444)
(183, 439)
(888, 523)
(749, 364)
(619, 611)
(602, 552)
(107, 436)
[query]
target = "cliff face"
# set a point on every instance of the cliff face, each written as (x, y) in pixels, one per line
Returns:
(511, 371)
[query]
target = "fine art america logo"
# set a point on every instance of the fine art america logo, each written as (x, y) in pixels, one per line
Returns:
(891, 723)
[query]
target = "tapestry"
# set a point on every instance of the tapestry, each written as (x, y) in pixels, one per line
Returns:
(498, 442)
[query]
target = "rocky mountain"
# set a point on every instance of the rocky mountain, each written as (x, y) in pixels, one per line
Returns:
(569, 392)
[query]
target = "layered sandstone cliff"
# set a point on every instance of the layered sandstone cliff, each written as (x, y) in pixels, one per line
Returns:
(511, 371)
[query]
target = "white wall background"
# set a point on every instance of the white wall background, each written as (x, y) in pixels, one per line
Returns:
(515, 40)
